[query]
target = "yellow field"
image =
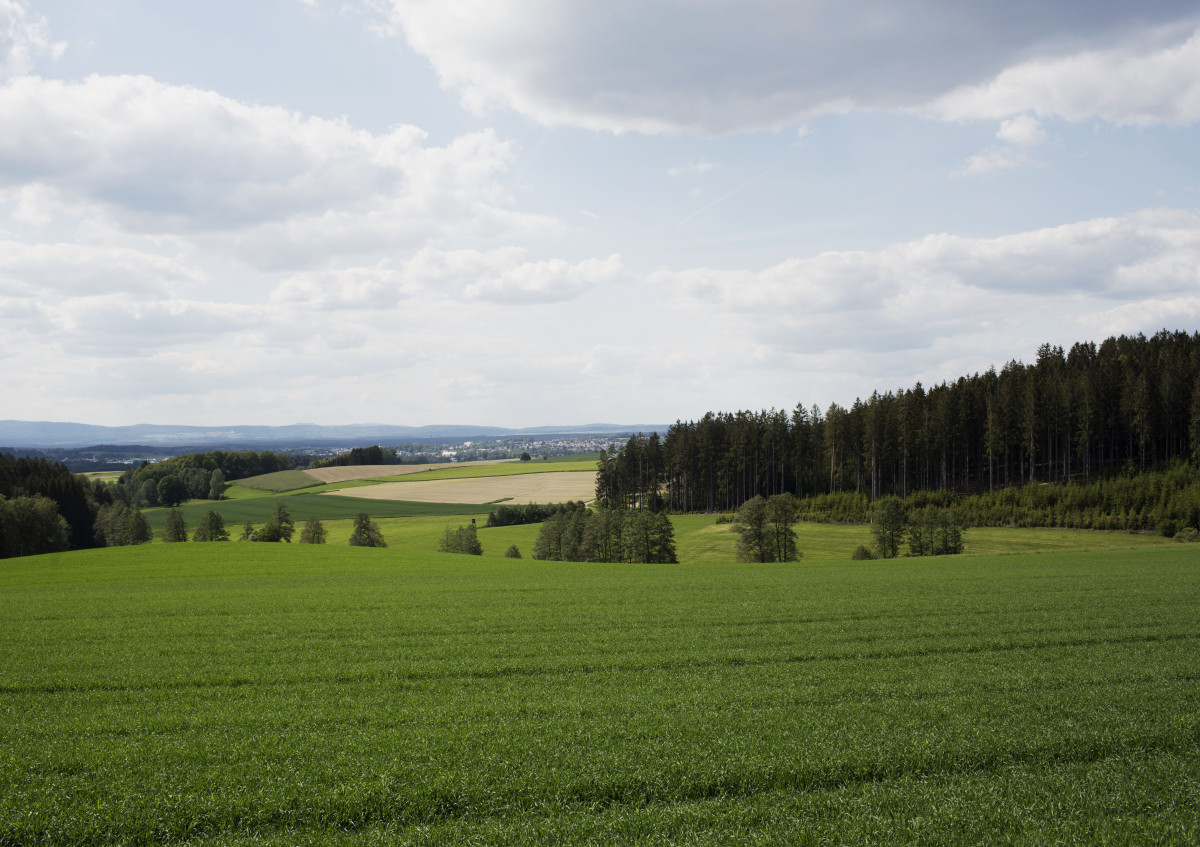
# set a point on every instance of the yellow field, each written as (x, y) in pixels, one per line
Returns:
(518, 489)
(353, 472)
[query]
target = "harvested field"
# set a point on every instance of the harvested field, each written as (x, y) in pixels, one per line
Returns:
(351, 472)
(523, 488)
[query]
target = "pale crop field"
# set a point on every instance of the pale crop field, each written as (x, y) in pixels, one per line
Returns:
(352, 472)
(515, 489)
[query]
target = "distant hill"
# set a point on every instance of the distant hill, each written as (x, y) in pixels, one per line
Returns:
(63, 434)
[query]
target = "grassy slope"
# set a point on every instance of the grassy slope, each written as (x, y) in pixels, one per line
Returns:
(270, 694)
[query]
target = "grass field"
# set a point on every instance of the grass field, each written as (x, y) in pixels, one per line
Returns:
(243, 694)
(303, 506)
(279, 481)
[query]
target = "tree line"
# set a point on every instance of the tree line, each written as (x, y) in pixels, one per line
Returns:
(1130, 404)
(609, 533)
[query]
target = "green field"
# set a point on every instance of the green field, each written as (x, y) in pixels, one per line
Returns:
(304, 506)
(230, 694)
(279, 481)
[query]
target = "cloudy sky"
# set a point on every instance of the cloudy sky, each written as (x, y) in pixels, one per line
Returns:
(524, 212)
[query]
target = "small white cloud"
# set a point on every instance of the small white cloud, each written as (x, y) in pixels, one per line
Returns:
(1022, 131)
(700, 167)
(1019, 135)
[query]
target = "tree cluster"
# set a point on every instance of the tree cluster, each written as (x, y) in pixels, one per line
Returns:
(117, 525)
(606, 534)
(465, 539)
(195, 476)
(279, 528)
(929, 530)
(30, 526)
(526, 514)
(375, 455)
(76, 499)
(765, 528)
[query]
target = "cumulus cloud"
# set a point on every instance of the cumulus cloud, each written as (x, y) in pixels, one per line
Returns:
(1138, 85)
(942, 285)
(729, 65)
(1017, 136)
(295, 189)
(23, 38)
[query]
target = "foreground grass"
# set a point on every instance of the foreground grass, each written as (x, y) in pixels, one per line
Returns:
(271, 694)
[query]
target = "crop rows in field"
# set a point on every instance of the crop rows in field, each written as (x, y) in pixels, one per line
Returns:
(273, 695)
(520, 488)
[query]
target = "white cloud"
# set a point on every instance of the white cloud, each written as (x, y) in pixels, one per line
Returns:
(296, 190)
(55, 271)
(1135, 85)
(943, 285)
(23, 38)
(1022, 131)
(728, 65)
(702, 166)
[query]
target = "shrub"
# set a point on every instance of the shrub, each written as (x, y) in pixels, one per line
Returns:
(513, 552)
(862, 553)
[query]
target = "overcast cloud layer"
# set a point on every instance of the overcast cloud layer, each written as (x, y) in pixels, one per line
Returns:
(558, 212)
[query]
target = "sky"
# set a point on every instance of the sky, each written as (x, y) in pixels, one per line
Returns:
(552, 212)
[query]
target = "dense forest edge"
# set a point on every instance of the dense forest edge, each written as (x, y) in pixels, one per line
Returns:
(1098, 437)
(1104, 437)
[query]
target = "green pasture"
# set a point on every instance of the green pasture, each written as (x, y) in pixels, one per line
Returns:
(237, 694)
(304, 506)
(279, 481)
(103, 476)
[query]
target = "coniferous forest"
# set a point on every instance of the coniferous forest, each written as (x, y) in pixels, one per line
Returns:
(1084, 416)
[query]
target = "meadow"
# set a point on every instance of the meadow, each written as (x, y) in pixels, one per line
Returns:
(235, 694)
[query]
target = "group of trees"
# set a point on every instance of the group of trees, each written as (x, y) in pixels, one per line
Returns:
(36, 492)
(929, 530)
(465, 539)
(117, 525)
(765, 528)
(195, 476)
(374, 455)
(606, 534)
(1130, 402)
(279, 528)
(526, 514)
(30, 526)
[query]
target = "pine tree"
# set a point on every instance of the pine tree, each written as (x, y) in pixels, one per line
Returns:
(176, 527)
(313, 532)
(366, 533)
